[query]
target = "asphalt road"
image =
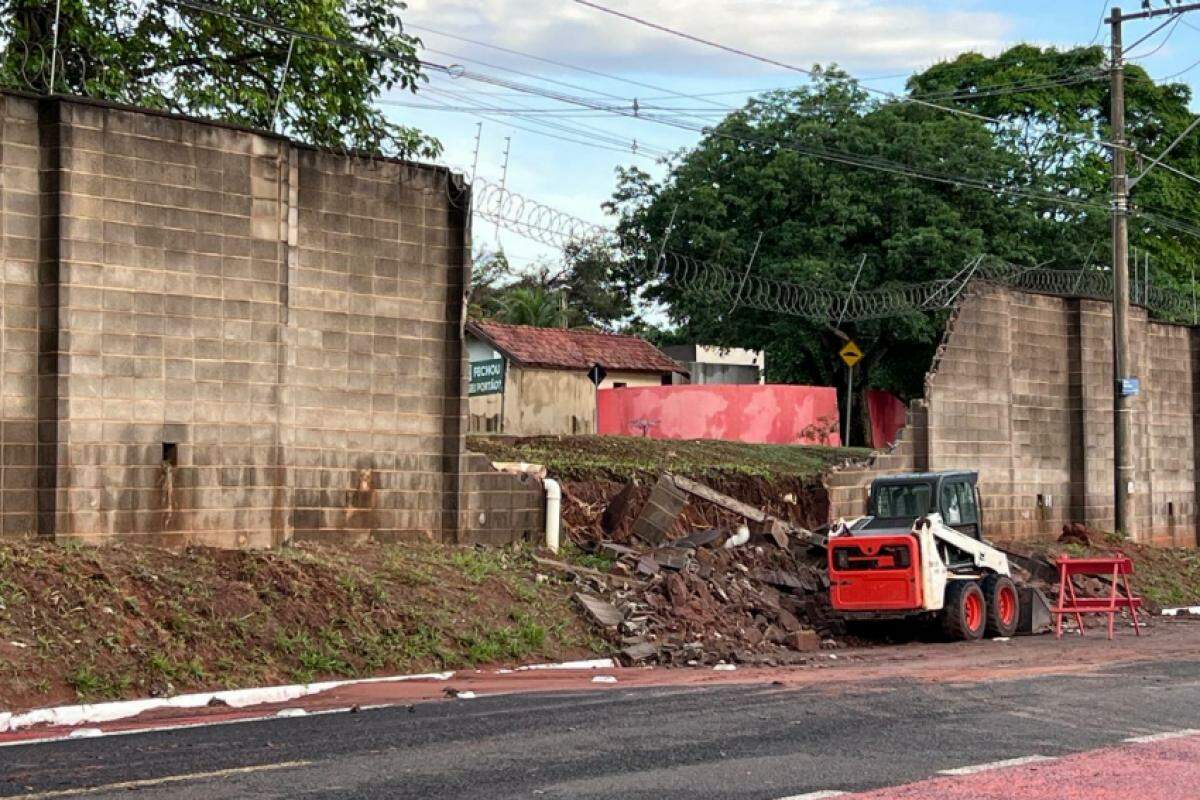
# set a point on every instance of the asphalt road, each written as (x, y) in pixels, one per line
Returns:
(732, 742)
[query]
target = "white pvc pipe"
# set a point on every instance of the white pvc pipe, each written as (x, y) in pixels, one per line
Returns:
(553, 513)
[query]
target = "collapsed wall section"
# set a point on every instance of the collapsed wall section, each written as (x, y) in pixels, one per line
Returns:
(215, 335)
(1022, 391)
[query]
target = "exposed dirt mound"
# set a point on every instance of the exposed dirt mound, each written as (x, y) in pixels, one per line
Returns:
(1163, 576)
(784, 480)
(89, 624)
(801, 501)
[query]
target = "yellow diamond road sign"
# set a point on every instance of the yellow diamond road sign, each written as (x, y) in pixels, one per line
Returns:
(850, 354)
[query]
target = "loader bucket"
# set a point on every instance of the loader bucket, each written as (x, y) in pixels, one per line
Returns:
(1035, 612)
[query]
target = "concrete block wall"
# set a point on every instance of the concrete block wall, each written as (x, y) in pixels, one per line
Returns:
(215, 335)
(21, 319)
(1022, 391)
(501, 508)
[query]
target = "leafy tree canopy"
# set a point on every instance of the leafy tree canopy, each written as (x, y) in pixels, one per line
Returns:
(583, 290)
(755, 173)
(189, 59)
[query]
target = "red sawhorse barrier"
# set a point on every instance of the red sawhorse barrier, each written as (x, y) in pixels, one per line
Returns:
(1117, 569)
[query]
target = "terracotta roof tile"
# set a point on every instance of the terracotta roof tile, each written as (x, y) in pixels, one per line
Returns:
(556, 348)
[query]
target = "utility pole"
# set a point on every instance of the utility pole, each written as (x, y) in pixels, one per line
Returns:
(1122, 408)
(1124, 390)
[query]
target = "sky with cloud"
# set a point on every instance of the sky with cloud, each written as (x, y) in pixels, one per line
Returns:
(566, 157)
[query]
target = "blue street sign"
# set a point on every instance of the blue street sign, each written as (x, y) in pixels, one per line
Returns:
(1129, 387)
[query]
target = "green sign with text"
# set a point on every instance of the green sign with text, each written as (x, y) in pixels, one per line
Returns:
(487, 377)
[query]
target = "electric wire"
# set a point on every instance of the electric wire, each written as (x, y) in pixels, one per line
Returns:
(814, 74)
(838, 157)
(576, 128)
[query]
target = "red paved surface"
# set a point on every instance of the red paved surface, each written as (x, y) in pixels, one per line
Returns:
(1167, 770)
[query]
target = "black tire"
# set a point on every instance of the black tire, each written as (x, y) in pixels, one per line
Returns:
(965, 614)
(1003, 605)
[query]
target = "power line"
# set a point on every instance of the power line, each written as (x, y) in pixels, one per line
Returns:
(821, 153)
(843, 157)
(1162, 44)
(582, 142)
(813, 73)
(563, 64)
(692, 96)
(576, 128)
(1100, 22)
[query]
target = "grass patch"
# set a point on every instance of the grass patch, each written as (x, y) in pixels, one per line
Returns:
(511, 642)
(160, 622)
(621, 458)
(1164, 576)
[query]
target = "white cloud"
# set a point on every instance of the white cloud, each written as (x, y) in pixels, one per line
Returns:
(864, 35)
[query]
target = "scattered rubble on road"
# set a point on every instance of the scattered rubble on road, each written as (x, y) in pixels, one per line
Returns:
(710, 596)
(755, 593)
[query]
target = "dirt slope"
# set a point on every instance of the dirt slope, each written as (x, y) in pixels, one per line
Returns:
(621, 458)
(123, 621)
(783, 479)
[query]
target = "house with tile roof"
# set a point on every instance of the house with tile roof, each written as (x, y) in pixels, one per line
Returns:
(526, 380)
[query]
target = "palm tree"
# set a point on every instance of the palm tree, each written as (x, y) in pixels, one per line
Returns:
(531, 305)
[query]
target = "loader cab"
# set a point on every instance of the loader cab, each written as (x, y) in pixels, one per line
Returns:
(897, 501)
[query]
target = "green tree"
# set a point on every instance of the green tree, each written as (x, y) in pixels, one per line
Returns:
(757, 173)
(490, 275)
(1055, 129)
(818, 218)
(531, 305)
(199, 59)
(585, 282)
(595, 296)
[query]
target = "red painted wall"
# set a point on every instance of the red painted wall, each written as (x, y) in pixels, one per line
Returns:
(887, 417)
(741, 413)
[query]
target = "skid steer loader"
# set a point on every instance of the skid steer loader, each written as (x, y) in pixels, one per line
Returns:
(920, 552)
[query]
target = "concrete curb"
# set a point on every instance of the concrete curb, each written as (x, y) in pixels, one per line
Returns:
(235, 698)
(69, 716)
(1174, 612)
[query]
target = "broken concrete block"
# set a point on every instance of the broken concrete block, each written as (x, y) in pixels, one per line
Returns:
(698, 539)
(787, 620)
(637, 653)
(775, 530)
(602, 613)
(672, 558)
(617, 550)
(646, 565)
(803, 640)
(617, 511)
(777, 577)
(664, 506)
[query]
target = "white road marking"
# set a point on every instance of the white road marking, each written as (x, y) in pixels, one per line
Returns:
(149, 782)
(1160, 737)
(189, 725)
(1008, 762)
(816, 795)
(85, 733)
